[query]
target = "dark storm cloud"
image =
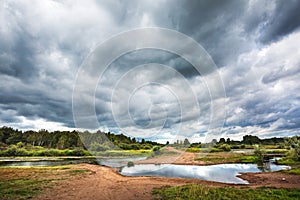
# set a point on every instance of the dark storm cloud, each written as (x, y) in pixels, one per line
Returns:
(284, 20)
(212, 24)
(22, 63)
(140, 57)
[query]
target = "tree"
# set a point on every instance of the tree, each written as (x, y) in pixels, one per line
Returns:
(225, 147)
(228, 141)
(250, 139)
(133, 140)
(214, 141)
(186, 142)
(222, 140)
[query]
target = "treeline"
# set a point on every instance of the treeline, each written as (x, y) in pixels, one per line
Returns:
(43, 138)
(247, 140)
(101, 141)
(98, 141)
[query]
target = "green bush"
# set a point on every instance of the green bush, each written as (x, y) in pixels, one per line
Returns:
(156, 148)
(21, 152)
(225, 147)
(294, 147)
(146, 146)
(98, 147)
(193, 150)
(215, 150)
(130, 164)
(259, 153)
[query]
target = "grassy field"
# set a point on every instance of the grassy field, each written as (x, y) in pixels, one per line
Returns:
(26, 182)
(196, 192)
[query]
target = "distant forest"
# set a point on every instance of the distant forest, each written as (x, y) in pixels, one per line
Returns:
(101, 141)
(98, 141)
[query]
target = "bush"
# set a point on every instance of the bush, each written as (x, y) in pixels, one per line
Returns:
(98, 147)
(156, 148)
(11, 151)
(225, 147)
(21, 152)
(130, 164)
(294, 147)
(193, 150)
(80, 152)
(146, 146)
(156, 151)
(259, 153)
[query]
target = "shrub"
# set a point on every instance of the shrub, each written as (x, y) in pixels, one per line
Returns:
(146, 146)
(11, 150)
(130, 164)
(98, 147)
(225, 147)
(294, 147)
(215, 150)
(193, 150)
(259, 153)
(156, 148)
(21, 152)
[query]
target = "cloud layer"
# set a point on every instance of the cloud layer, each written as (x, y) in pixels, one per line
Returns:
(255, 45)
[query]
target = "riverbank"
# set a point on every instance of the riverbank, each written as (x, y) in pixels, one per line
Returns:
(85, 181)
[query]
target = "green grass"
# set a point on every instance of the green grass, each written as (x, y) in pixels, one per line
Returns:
(40, 151)
(26, 182)
(163, 152)
(228, 158)
(295, 171)
(193, 150)
(23, 188)
(203, 150)
(287, 161)
(120, 153)
(198, 192)
(279, 151)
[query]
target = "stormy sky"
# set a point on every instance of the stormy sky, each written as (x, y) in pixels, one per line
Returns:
(153, 93)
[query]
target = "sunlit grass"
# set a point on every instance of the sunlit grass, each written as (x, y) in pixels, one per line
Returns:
(26, 182)
(227, 158)
(198, 192)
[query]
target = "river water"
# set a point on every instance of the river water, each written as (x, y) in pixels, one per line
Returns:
(225, 173)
